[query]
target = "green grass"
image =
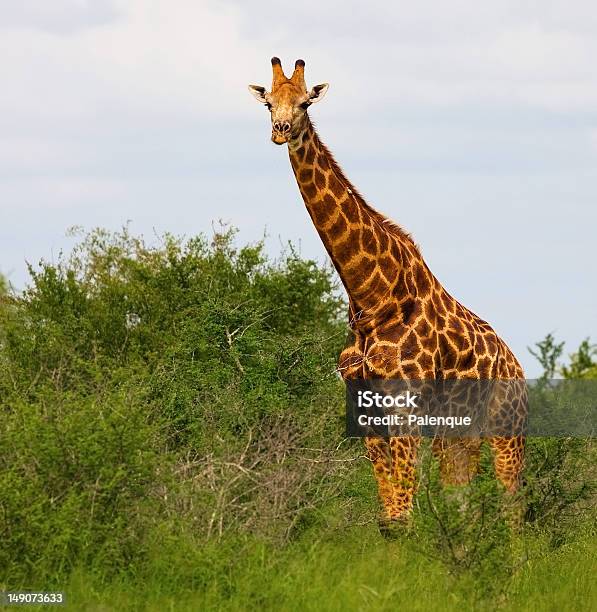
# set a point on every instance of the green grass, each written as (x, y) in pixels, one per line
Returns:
(355, 570)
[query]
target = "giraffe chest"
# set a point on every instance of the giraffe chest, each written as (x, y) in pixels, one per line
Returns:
(398, 351)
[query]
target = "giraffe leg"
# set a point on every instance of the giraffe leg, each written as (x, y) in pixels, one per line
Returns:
(404, 478)
(379, 454)
(459, 459)
(394, 464)
(508, 460)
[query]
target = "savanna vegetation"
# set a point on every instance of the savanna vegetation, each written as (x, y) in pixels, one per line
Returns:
(171, 438)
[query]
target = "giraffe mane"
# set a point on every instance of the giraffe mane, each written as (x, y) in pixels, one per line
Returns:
(384, 223)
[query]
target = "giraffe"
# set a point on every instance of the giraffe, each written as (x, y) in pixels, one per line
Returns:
(403, 323)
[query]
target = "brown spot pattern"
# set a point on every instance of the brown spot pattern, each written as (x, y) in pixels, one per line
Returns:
(404, 324)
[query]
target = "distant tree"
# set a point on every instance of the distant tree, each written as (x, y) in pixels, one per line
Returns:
(547, 354)
(583, 363)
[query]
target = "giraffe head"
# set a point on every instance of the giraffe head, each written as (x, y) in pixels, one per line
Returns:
(288, 100)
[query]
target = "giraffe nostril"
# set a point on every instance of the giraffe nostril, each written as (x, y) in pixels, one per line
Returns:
(282, 126)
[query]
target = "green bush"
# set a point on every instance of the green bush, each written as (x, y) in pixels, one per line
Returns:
(144, 383)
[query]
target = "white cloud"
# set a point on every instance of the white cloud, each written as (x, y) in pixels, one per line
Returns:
(62, 17)
(450, 115)
(197, 57)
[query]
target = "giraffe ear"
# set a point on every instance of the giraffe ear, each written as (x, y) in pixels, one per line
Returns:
(318, 92)
(258, 92)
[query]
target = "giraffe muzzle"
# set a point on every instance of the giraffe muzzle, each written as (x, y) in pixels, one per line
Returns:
(281, 131)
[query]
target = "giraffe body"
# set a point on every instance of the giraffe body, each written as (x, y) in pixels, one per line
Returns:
(403, 323)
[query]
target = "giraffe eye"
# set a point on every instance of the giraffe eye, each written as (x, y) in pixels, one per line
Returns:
(269, 106)
(305, 105)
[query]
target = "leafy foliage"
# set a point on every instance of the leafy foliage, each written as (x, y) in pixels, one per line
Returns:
(466, 528)
(171, 423)
(547, 354)
(133, 381)
(582, 363)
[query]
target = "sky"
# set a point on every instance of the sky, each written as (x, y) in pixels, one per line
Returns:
(471, 124)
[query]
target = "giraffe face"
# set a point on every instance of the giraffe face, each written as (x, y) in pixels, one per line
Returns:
(288, 100)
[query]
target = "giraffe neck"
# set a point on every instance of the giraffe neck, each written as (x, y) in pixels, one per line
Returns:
(371, 254)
